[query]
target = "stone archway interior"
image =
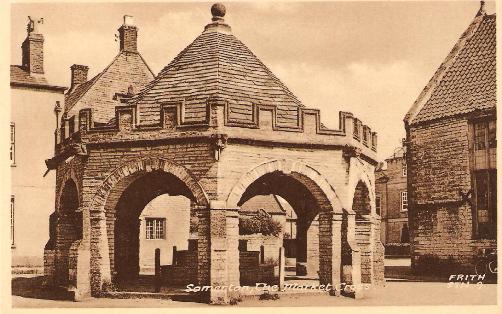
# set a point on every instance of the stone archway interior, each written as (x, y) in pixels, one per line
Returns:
(123, 219)
(297, 191)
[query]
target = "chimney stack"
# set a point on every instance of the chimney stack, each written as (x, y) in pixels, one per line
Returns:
(78, 75)
(33, 47)
(128, 35)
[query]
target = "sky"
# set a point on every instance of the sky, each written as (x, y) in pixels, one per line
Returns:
(370, 58)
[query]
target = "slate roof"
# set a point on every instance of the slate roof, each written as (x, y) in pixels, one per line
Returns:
(268, 203)
(126, 69)
(466, 81)
(217, 63)
(21, 76)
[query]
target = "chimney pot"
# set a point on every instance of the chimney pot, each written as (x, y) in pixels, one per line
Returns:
(128, 20)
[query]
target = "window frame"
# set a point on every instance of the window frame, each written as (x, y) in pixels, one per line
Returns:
(483, 165)
(404, 201)
(152, 232)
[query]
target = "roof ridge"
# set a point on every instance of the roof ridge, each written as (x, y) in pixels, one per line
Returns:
(93, 80)
(427, 91)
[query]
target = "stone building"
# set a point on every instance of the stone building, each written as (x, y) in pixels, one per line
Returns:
(31, 140)
(125, 75)
(215, 126)
(392, 202)
(451, 156)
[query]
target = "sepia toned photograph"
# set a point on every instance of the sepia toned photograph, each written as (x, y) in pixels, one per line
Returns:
(252, 154)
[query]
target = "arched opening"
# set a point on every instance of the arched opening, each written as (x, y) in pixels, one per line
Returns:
(69, 230)
(147, 211)
(304, 197)
(361, 205)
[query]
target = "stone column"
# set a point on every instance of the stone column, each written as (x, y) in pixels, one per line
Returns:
(377, 250)
(313, 248)
(330, 248)
(50, 251)
(224, 253)
(363, 237)
(100, 256)
(355, 255)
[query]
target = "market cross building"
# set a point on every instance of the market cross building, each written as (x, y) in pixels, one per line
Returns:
(216, 126)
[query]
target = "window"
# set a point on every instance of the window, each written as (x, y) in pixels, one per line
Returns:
(12, 144)
(485, 179)
(378, 205)
(404, 201)
(155, 228)
(405, 169)
(12, 220)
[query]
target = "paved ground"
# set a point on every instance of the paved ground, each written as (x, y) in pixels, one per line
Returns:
(394, 293)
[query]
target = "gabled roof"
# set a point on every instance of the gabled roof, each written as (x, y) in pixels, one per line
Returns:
(268, 203)
(20, 76)
(217, 63)
(466, 81)
(127, 69)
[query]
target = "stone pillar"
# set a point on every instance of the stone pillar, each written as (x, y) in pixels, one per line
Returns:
(50, 251)
(313, 248)
(363, 237)
(378, 251)
(330, 248)
(224, 253)
(79, 259)
(355, 275)
(100, 257)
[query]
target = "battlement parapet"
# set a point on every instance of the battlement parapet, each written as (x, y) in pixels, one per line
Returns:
(264, 124)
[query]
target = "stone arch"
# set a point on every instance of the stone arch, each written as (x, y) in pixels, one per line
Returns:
(107, 196)
(132, 168)
(296, 169)
(319, 231)
(359, 174)
(68, 174)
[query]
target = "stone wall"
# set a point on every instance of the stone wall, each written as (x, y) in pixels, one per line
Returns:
(183, 271)
(441, 225)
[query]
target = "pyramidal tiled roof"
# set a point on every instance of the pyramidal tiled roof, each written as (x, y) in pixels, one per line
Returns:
(217, 63)
(127, 69)
(466, 81)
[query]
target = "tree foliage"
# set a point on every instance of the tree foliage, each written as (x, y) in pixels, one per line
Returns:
(260, 222)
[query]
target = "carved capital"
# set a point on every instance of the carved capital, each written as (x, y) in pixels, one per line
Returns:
(351, 151)
(219, 142)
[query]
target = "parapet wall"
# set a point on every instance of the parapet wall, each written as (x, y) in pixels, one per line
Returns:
(263, 126)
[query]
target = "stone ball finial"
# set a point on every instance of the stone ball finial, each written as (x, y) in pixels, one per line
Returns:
(218, 10)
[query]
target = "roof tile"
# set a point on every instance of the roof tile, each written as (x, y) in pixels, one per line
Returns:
(470, 82)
